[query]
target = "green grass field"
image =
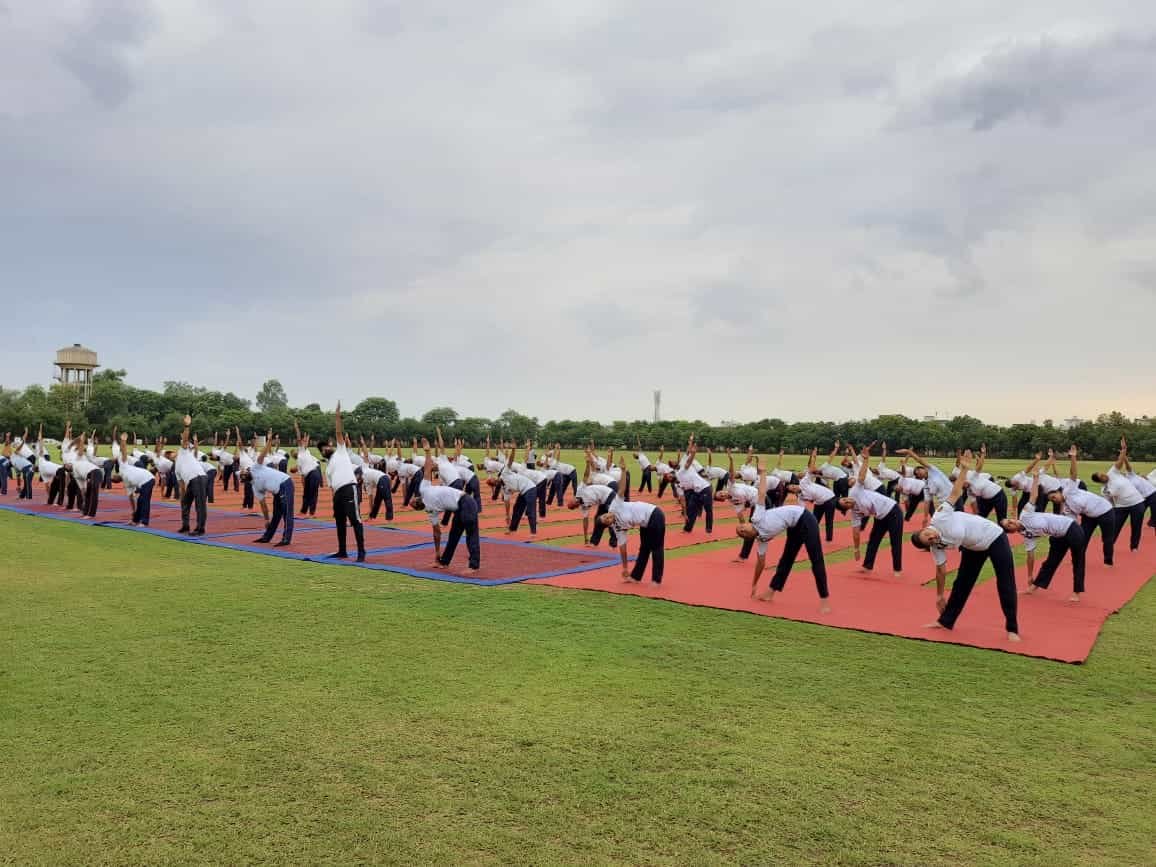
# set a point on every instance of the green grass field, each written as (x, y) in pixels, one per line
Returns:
(161, 703)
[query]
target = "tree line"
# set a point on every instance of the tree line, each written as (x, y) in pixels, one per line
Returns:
(148, 414)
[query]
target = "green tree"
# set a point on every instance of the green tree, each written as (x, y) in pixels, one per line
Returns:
(440, 415)
(272, 396)
(376, 411)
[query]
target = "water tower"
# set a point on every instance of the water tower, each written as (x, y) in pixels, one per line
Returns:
(75, 365)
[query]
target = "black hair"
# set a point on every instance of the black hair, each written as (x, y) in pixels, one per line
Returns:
(918, 542)
(839, 505)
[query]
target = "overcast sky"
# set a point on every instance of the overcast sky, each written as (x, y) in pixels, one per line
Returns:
(820, 210)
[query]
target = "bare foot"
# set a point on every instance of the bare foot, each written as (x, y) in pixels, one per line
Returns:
(769, 596)
(824, 608)
(1013, 636)
(472, 570)
(897, 574)
(1075, 597)
(934, 625)
(1031, 589)
(940, 604)
(438, 564)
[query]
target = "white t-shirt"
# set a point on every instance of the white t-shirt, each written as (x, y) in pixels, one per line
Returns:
(643, 461)
(814, 493)
(188, 467)
(938, 484)
(981, 485)
(769, 523)
(267, 480)
(716, 473)
(48, 469)
(339, 470)
(514, 481)
(743, 496)
(134, 477)
(438, 499)
(370, 476)
(831, 472)
(961, 530)
(1145, 487)
(690, 480)
(1037, 524)
(629, 515)
(749, 473)
(447, 471)
(306, 463)
(869, 503)
(1081, 503)
(408, 471)
(591, 496)
(911, 486)
(885, 472)
(1121, 491)
(81, 467)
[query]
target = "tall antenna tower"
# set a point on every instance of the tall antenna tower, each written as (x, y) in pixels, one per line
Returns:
(658, 404)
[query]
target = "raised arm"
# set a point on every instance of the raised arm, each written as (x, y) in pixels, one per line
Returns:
(982, 457)
(188, 421)
(1073, 469)
(960, 482)
(1122, 458)
(910, 453)
(338, 427)
(864, 457)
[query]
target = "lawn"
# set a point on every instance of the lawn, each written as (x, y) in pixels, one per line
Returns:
(169, 704)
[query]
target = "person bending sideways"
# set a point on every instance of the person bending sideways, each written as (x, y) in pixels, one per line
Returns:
(802, 531)
(650, 522)
(1094, 511)
(835, 474)
(696, 490)
(914, 492)
(89, 478)
(138, 484)
(599, 498)
(44, 465)
(525, 492)
(378, 484)
(823, 500)
(343, 483)
(437, 498)
(888, 518)
(1065, 534)
(889, 476)
(743, 498)
(266, 479)
(979, 541)
(190, 472)
(646, 468)
(989, 496)
(309, 469)
(1127, 502)
(1146, 488)
(938, 485)
(1024, 480)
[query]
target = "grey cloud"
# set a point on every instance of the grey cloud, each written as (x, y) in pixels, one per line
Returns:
(96, 53)
(1040, 80)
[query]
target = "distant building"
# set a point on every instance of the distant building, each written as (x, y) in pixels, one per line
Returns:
(75, 365)
(729, 422)
(934, 419)
(1069, 423)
